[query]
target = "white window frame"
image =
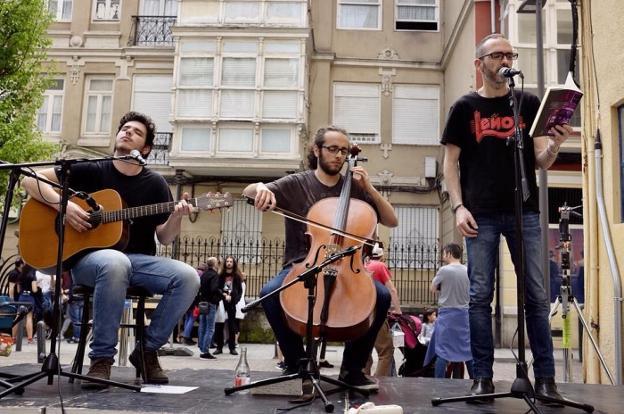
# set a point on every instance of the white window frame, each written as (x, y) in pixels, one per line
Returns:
(256, 122)
(435, 135)
(161, 8)
(358, 3)
(51, 94)
(109, 4)
(551, 47)
(359, 137)
(436, 20)
(58, 13)
(161, 121)
(100, 132)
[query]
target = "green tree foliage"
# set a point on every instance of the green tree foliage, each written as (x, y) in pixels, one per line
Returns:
(23, 44)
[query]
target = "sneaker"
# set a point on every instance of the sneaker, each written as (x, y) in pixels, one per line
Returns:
(233, 352)
(207, 355)
(100, 368)
(359, 380)
(280, 365)
(324, 364)
(154, 374)
(218, 351)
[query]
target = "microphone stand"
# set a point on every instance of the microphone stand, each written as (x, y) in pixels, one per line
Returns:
(51, 365)
(308, 368)
(521, 387)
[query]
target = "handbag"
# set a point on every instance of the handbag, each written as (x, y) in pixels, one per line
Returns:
(204, 308)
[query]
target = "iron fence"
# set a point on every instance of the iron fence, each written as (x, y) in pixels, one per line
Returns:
(160, 150)
(152, 30)
(412, 265)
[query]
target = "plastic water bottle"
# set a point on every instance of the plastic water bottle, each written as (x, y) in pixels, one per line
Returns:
(242, 373)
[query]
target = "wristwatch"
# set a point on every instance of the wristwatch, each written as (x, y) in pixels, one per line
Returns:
(454, 209)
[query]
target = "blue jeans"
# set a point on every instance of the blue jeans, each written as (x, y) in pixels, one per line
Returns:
(356, 352)
(440, 367)
(206, 328)
(189, 322)
(110, 272)
(75, 309)
(482, 253)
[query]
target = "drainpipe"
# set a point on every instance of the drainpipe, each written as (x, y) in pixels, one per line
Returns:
(492, 16)
(615, 273)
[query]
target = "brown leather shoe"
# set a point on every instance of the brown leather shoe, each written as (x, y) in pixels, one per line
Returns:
(100, 368)
(154, 374)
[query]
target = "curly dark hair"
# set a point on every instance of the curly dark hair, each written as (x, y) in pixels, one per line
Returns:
(319, 140)
(145, 120)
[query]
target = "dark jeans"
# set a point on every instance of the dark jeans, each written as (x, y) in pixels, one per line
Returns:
(232, 324)
(482, 252)
(356, 352)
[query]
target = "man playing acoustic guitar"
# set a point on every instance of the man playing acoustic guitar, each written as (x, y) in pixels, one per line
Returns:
(110, 271)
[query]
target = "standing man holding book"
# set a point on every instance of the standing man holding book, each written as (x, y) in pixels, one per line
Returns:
(482, 197)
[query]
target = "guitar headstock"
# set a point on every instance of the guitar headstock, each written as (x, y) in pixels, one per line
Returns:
(212, 201)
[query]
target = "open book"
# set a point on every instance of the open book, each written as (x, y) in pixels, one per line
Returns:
(557, 107)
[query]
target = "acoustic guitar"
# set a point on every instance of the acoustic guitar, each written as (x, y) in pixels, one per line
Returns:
(38, 240)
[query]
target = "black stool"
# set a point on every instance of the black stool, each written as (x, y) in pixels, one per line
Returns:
(133, 292)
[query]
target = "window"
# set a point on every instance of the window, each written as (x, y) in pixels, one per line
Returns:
(241, 232)
(557, 38)
(61, 10)
(49, 115)
(232, 83)
(196, 139)
(356, 109)
(621, 139)
(415, 239)
(416, 114)
(99, 103)
(152, 96)
(359, 14)
(416, 15)
(106, 9)
(159, 7)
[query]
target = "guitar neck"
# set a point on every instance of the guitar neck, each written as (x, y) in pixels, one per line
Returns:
(141, 211)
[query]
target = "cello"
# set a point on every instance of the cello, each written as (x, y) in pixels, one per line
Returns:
(345, 295)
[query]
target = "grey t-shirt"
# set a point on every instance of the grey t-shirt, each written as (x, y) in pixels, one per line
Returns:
(454, 286)
(297, 193)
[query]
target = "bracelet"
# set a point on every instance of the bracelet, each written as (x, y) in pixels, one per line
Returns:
(454, 209)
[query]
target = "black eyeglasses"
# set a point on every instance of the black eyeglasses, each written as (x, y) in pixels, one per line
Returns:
(335, 150)
(500, 55)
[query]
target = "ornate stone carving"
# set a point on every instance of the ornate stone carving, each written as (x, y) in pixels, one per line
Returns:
(75, 41)
(385, 148)
(388, 54)
(386, 177)
(386, 80)
(74, 69)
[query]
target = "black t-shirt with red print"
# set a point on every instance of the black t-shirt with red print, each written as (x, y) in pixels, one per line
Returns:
(480, 127)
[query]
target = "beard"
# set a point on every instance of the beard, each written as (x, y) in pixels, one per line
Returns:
(327, 167)
(493, 76)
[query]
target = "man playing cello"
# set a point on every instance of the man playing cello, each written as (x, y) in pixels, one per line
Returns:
(297, 193)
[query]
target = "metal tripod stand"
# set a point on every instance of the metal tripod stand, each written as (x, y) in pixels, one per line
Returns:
(566, 296)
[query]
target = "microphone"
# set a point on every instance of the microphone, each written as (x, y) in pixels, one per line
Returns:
(506, 72)
(136, 155)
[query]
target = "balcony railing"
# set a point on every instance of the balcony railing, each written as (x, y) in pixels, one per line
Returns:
(160, 149)
(152, 30)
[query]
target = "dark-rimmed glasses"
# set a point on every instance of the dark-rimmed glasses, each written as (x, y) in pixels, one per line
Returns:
(500, 55)
(335, 150)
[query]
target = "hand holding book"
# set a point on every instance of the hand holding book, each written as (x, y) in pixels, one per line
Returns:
(557, 108)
